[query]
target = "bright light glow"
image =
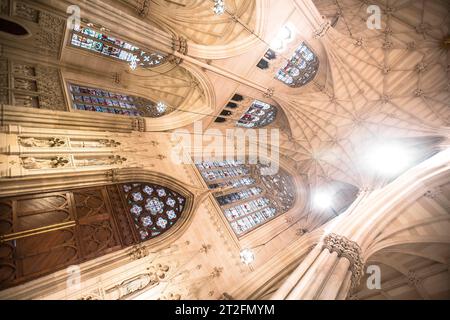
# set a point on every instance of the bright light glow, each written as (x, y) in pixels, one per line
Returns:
(389, 158)
(285, 33)
(277, 44)
(247, 256)
(323, 199)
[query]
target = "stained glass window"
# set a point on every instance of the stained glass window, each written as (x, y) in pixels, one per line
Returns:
(247, 198)
(89, 39)
(237, 196)
(92, 99)
(153, 208)
(258, 115)
(300, 69)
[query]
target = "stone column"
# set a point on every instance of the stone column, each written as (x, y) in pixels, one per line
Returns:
(328, 272)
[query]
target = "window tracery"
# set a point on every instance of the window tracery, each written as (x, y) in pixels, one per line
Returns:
(92, 40)
(154, 208)
(98, 100)
(259, 114)
(248, 198)
(300, 69)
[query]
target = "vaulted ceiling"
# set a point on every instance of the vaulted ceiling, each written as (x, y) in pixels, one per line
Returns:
(196, 21)
(413, 253)
(385, 83)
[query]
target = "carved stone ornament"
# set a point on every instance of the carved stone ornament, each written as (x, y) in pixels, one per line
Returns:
(322, 30)
(269, 93)
(138, 252)
(44, 163)
(51, 142)
(348, 249)
(138, 124)
(146, 281)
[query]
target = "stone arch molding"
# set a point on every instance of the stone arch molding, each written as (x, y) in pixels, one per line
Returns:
(185, 114)
(381, 208)
(235, 47)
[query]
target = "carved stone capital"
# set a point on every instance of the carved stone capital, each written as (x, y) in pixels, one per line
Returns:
(179, 44)
(348, 249)
(143, 9)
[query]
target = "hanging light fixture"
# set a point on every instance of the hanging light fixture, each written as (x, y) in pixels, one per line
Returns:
(219, 7)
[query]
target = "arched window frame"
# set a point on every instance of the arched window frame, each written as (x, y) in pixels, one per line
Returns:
(87, 38)
(88, 98)
(302, 67)
(236, 184)
(118, 176)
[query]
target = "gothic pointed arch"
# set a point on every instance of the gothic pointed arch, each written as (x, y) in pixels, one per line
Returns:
(44, 230)
(248, 195)
(234, 32)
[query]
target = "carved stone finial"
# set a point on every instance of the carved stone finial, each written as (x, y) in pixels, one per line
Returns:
(269, 93)
(143, 9)
(138, 252)
(348, 249)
